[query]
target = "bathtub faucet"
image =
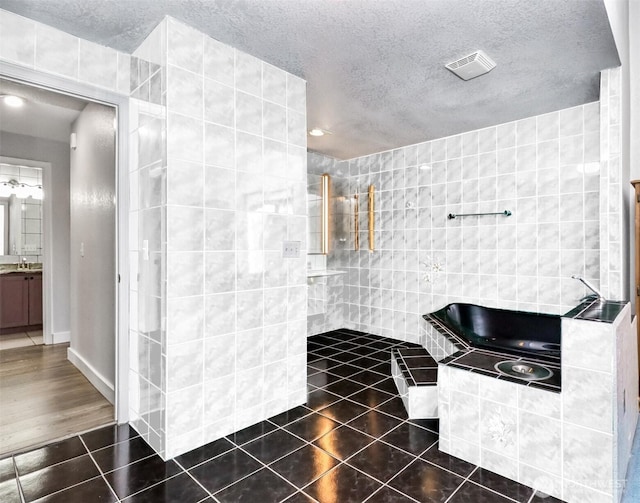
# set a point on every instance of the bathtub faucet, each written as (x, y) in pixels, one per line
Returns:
(589, 286)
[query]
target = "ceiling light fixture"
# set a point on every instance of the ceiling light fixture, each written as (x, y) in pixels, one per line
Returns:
(316, 131)
(12, 101)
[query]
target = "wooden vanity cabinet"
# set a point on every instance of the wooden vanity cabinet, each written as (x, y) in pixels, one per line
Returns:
(20, 300)
(35, 299)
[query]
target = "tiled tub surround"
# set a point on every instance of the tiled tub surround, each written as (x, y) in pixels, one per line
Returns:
(453, 349)
(350, 443)
(501, 330)
(415, 374)
(575, 444)
(484, 362)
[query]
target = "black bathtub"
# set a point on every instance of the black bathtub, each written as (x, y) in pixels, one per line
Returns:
(514, 332)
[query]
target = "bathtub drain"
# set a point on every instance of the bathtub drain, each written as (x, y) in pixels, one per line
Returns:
(523, 370)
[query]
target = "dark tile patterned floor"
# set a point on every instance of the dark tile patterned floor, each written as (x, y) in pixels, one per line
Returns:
(351, 442)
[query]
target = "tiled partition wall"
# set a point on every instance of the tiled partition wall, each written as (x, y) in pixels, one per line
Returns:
(543, 169)
(235, 190)
(147, 240)
(612, 223)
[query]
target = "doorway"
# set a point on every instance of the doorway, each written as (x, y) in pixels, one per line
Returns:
(65, 381)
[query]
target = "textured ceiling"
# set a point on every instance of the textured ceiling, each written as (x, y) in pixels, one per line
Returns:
(375, 68)
(45, 114)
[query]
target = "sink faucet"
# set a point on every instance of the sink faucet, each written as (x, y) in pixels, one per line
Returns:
(590, 287)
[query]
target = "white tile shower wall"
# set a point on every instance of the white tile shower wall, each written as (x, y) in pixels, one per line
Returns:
(236, 189)
(333, 316)
(147, 242)
(35, 45)
(328, 307)
(611, 186)
(539, 168)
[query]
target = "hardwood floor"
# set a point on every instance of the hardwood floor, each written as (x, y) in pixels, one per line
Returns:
(44, 397)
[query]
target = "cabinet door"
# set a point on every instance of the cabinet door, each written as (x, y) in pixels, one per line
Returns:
(35, 299)
(14, 300)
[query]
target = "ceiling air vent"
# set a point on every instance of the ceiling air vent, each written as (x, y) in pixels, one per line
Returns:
(471, 66)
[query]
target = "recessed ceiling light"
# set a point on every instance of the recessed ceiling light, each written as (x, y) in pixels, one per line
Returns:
(316, 131)
(13, 101)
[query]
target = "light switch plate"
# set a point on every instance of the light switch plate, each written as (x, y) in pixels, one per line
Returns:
(291, 249)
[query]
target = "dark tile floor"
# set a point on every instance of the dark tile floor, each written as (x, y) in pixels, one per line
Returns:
(351, 442)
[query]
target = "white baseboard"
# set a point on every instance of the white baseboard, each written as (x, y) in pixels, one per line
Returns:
(101, 384)
(60, 337)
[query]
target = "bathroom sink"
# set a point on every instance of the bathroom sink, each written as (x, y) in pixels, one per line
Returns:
(601, 311)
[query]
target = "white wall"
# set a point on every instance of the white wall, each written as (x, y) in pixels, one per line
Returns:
(57, 153)
(93, 275)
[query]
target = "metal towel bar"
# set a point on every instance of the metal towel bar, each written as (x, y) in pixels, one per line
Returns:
(451, 216)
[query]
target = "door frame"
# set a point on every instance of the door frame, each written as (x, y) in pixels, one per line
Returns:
(120, 103)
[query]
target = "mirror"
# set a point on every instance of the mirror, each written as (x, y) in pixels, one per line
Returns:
(20, 213)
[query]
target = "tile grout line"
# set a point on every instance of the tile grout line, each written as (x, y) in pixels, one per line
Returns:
(15, 470)
(99, 470)
(189, 474)
(466, 479)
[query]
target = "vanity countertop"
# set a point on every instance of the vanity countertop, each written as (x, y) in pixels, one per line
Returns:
(13, 269)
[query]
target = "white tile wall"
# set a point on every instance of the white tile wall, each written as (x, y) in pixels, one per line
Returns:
(229, 209)
(232, 352)
(332, 316)
(149, 305)
(611, 186)
(34, 45)
(539, 168)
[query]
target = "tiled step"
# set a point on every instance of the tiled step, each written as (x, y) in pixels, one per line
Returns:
(415, 373)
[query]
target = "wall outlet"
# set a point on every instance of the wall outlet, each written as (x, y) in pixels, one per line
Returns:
(290, 249)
